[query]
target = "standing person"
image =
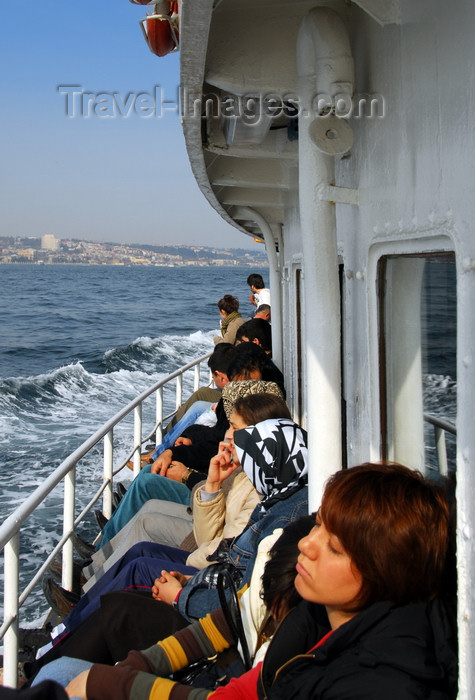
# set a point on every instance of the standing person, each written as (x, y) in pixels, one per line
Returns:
(260, 294)
(231, 319)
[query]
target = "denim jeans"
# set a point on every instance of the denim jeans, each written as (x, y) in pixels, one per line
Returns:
(188, 419)
(195, 602)
(62, 670)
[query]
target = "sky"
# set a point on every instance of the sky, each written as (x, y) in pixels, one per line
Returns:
(107, 173)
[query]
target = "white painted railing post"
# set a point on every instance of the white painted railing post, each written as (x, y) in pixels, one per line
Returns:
(68, 526)
(159, 416)
(137, 438)
(196, 384)
(108, 468)
(10, 641)
(441, 450)
(179, 391)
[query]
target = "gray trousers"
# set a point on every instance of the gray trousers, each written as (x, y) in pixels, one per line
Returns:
(164, 522)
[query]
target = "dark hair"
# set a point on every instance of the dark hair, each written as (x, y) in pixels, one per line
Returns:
(228, 303)
(394, 524)
(250, 357)
(278, 590)
(255, 408)
(221, 357)
(256, 281)
(256, 329)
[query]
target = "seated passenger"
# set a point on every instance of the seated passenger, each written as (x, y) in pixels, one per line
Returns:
(231, 319)
(256, 331)
(251, 362)
(372, 624)
(263, 311)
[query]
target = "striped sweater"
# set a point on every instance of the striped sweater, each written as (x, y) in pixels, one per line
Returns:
(144, 675)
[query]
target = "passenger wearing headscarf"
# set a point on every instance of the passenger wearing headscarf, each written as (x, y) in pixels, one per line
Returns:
(274, 456)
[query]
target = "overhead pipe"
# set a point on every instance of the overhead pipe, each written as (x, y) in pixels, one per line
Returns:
(274, 278)
(325, 70)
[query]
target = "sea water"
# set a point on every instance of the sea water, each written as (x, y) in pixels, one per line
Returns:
(77, 344)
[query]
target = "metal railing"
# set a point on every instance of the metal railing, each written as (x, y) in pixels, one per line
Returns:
(10, 528)
(441, 428)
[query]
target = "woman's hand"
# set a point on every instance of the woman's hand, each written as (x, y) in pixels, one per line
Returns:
(220, 467)
(162, 463)
(77, 687)
(167, 586)
(176, 471)
(183, 441)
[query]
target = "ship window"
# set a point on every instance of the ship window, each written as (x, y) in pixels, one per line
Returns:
(418, 360)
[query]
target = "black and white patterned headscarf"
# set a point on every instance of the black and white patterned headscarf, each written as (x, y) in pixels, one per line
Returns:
(274, 457)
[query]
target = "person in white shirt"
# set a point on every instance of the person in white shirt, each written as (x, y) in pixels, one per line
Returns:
(259, 292)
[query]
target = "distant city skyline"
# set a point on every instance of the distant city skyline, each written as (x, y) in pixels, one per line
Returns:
(102, 168)
(51, 250)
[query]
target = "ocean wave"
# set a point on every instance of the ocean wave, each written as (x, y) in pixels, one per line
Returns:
(149, 354)
(440, 395)
(153, 358)
(45, 418)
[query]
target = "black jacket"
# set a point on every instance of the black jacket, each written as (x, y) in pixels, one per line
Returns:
(205, 442)
(383, 653)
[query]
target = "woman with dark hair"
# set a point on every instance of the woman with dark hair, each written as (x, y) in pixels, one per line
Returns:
(231, 319)
(372, 623)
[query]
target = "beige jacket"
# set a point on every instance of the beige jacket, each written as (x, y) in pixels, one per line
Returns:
(231, 330)
(220, 518)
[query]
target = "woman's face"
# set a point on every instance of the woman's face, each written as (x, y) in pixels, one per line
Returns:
(235, 423)
(326, 575)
